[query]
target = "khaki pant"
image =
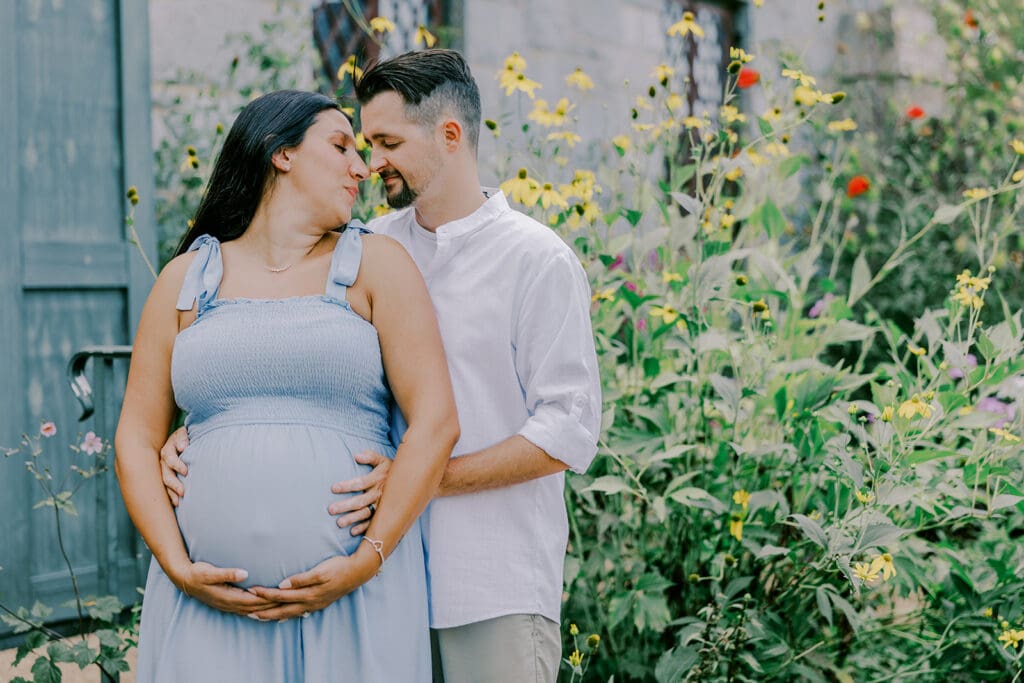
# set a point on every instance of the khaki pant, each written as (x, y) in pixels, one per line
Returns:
(518, 648)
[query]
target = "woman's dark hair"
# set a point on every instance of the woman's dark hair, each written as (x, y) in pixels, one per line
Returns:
(431, 83)
(243, 168)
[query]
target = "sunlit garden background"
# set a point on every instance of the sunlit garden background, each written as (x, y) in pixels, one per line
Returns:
(807, 293)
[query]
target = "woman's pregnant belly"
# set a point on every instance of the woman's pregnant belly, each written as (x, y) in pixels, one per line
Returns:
(256, 498)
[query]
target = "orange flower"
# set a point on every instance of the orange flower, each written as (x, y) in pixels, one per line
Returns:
(915, 112)
(969, 19)
(747, 77)
(857, 186)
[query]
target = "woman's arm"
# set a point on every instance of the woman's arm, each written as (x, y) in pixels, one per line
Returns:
(417, 373)
(146, 415)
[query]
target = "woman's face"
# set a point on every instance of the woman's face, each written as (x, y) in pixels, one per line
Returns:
(326, 169)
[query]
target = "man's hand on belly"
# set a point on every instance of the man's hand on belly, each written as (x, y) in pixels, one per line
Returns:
(171, 465)
(356, 510)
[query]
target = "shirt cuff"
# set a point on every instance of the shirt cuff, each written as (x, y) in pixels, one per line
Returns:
(561, 435)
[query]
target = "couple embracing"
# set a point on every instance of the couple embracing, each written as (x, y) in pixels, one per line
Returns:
(338, 382)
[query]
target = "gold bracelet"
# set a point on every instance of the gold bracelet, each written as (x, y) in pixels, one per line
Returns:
(379, 547)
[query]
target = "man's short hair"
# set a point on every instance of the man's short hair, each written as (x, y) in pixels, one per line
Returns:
(432, 83)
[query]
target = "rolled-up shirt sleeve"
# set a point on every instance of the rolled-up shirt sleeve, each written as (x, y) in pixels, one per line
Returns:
(557, 363)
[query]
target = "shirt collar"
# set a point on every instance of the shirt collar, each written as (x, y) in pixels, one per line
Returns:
(495, 205)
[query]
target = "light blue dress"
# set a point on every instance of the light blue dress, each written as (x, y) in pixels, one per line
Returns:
(280, 394)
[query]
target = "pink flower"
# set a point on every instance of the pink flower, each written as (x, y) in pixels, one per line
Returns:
(91, 444)
(959, 373)
(617, 262)
(993, 405)
(819, 306)
(641, 325)
(48, 429)
(630, 286)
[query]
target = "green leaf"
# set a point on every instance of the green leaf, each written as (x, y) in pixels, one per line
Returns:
(632, 216)
(824, 606)
(772, 220)
(946, 214)
(780, 403)
(791, 165)
(691, 496)
(650, 611)
(59, 651)
(927, 454)
(861, 280)
(812, 530)
(105, 608)
(673, 666)
(109, 638)
(45, 671)
(82, 654)
(764, 126)
(609, 485)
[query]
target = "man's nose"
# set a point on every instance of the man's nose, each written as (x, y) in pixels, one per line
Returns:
(377, 161)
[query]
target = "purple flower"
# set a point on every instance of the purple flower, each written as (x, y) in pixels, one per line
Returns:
(992, 405)
(819, 306)
(91, 444)
(630, 286)
(641, 325)
(619, 260)
(960, 373)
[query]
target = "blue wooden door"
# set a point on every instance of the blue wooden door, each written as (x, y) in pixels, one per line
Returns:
(74, 127)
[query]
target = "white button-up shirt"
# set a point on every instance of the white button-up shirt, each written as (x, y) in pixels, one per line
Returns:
(513, 305)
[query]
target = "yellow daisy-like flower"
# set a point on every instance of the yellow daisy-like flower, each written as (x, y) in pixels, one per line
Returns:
(734, 174)
(569, 137)
(515, 62)
(884, 564)
(739, 55)
(522, 188)
(663, 72)
(670, 276)
(726, 221)
(741, 498)
(604, 295)
(674, 101)
(776, 149)
(622, 142)
(736, 528)
(773, 114)
(693, 122)
(804, 79)
(887, 414)
(578, 79)
(549, 197)
(865, 497)
(1017, 145)
(585, 213)
(361, 142)
(976, 193)
(382, 25)
(424, 37)
(864, 572)
(349, 67)
(667, 314)
(914, 407)
(576, 659)
(381, 210)
(1011, 638)
(518, 82)
(1004, 434)
(731, 114)
(843, 125)
(806, 96)
(688, 24)
(916, 350)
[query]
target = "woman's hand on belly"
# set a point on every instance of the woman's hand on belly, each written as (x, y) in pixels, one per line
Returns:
(213, 587)
(317, 588)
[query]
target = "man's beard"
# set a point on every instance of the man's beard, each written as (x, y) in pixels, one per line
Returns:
(404, 197)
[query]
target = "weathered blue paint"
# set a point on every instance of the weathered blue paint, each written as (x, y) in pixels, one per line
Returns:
(74, 117)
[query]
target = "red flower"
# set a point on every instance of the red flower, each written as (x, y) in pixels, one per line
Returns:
(857, 186)
(969, 19)
(747, 77)
(915, 112)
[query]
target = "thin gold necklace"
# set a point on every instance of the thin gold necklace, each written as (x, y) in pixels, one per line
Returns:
(284, 268)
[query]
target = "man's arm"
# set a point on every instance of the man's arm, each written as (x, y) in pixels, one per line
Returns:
(509, 462)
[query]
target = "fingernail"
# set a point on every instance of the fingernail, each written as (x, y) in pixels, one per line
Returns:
(241, 575)
(253, 617)
(285, 585)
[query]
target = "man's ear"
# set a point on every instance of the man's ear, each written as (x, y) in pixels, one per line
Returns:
(282, 160)
(451, 129)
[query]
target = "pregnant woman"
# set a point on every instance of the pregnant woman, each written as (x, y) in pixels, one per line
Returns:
(286, 342)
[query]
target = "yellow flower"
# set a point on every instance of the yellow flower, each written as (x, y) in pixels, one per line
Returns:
(865, 572)
(522, 188)
(916, 350)
(736, 528)
(976, 193)
(622, 142)
(734, 174)
(1011, 637)
(670, 276)
(1017, 145)
(551, 117)
(987, 612)
(667, 314)
(382, 25)
(575, 659)
(805, 96)
(914, 407)
(758, 3)
(381, 209)
(731, 114)
(693, 122)
(1004, 434)
(574, 630)
(755, 158)
(687, 24)
(804, 79)
(662, 73)
(738, 54)
(726, 221)
(604, 295)
(549, 197)
(842, 125)
(568, 136)
(883, 563)
(424, 37)
(642, 103)
(593, 640)
(361, 142)
(741, 498)
(887, 414)
(583, 185)
(514, 82)
(515, 63)
(773, 114)
(674, 102)
(587, 212)
(866, 498)
(349, 67)
(776, 149)
(578, 79)
(1018, 176)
